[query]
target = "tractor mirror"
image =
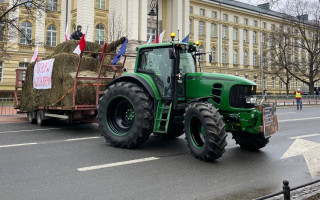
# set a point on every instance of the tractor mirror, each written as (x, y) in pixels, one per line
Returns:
(172, 54)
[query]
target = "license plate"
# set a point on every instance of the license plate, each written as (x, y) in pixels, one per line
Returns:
(270, 120)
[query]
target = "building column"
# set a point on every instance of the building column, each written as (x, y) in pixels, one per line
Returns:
(85, 17)
(143, 20)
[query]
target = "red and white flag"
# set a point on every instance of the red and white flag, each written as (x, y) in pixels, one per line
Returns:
(67, 34)
(82, 44)
(150, 40)
(35, 56)
(159, 38)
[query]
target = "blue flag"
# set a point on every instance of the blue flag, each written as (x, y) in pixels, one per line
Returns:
(186, 39)
(121, 52)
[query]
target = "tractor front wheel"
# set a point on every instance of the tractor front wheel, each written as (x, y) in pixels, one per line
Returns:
(125, 115)
(205, 132)
(251, 142)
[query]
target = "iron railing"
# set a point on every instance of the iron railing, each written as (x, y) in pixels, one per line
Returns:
(286, 190)
(7, 106)
(290, 99)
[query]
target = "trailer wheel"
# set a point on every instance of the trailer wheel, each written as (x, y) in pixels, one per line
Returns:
(251, 142)
(125, 115)
(40, 117)
(32, 117)
(205, 133)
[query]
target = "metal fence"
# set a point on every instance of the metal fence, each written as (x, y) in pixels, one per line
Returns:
(290, 99)
(286, 190)
(7, 106)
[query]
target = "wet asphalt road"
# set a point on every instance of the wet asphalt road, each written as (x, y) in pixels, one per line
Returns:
(44, 162)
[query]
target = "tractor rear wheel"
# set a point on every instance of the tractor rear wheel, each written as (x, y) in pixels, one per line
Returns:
(205, 132)
(251, 142)
(125, 115)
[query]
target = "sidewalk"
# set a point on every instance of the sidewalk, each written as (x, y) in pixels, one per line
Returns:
(13, 119)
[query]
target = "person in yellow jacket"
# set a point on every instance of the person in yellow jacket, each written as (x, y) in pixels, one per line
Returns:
(298, 94)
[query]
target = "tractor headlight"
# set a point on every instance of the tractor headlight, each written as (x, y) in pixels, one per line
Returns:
(251, 100)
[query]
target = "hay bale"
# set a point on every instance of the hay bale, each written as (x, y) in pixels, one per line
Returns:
(63, 73)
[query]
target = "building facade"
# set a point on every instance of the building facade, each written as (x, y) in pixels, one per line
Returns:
(233, 34)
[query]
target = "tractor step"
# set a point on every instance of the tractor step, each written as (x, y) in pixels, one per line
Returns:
(162, 118)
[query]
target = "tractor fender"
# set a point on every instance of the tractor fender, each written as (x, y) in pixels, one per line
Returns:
(201, 99)
(137, 80)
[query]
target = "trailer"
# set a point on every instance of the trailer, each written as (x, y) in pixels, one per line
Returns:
(81, 113)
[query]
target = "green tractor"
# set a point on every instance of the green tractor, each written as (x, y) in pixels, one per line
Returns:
(167, 96)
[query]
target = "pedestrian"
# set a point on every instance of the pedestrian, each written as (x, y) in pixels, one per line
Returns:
(77, 34)
(265, 91)
(298, 94)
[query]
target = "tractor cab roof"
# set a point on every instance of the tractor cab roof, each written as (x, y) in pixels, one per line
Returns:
(167, 44)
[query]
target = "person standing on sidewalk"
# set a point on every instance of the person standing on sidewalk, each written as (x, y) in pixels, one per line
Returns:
(298, 94)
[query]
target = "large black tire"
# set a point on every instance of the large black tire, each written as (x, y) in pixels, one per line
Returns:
(32, 117)
(40, 118)
(251, 142)
(125, 115)
(205, 132)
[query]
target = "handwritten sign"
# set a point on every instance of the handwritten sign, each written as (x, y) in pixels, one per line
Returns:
(270, 120)
(42, 74)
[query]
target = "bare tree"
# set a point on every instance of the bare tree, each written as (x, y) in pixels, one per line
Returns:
(116, 28)
(9, 20)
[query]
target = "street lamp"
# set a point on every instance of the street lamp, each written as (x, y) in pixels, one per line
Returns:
(152, 13)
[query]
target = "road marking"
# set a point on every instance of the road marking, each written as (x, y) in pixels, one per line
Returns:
(129, 162)
(309, 150)
(300, 119)
(286, 113)
(78, 139)
(43, 129)
(303, 136)
(17, 145)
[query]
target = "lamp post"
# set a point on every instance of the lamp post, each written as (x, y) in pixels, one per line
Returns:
(152, 13)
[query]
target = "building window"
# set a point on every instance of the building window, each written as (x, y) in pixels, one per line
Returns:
(190, 26)
(151, 32)
(235, 56)
(245, 21)
(254, 37)
(101, 4)
(26, 32)
(100, 34)
(213, 30)
(202, 12)
(235, 18)
(280, 84)
(225, 17)
(51, 36)
(273, 27)
(264, 83)
(255, 23)
(2, 32)
(28, 3)
(191, 10)
(1, 71)
(213, 54)
(22, 74)
(2, 1)
(201, 28)
(245, 58)
(273, 82)
(254, 59)
(214, 15)
(224, 56)
(264, 25)
(263, 39)
(235, 34)
(255, 79)
(224, 31)
(53, 5)
(245, 35)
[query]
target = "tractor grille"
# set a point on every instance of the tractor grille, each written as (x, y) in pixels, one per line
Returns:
(238, 94)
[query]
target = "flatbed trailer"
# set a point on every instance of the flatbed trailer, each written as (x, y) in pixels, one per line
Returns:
(82, 113)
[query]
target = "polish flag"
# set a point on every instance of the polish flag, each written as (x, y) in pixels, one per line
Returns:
(67, 34)
(159, 38)
(35, 56)
(150, 40)
(81, 46)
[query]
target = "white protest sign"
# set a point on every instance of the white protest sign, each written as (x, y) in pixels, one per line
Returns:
(42, 74)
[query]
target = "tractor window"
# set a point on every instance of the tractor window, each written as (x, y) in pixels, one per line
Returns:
(187, 64)
(158, 64)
